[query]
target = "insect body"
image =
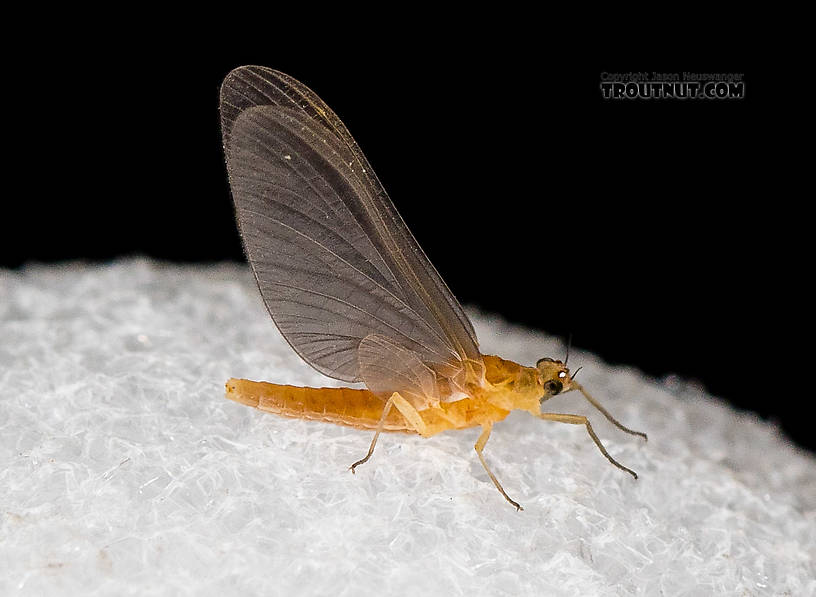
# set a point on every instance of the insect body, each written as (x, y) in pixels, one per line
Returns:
(349, 287)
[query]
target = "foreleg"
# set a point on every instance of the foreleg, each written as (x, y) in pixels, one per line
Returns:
(582, 420)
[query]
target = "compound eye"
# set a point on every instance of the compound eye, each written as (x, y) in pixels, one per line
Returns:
(544, 360)
(553, 386)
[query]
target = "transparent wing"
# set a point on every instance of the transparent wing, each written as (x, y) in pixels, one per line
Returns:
(385, 362)
(334, 261)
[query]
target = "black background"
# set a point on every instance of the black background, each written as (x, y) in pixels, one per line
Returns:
(640, 227)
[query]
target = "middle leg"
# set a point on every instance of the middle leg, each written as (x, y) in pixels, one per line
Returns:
(480, 444)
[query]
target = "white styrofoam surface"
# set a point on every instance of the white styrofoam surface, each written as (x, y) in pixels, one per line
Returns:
(123, 470)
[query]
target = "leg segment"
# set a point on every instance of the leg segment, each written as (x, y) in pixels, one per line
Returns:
(386, 410)
(480, 444)
(605, 413)
(411, 415)
(581, 420)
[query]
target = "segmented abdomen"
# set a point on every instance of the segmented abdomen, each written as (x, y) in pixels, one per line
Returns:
(344, 406)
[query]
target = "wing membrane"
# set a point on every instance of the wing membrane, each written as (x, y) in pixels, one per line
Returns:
(333, 259)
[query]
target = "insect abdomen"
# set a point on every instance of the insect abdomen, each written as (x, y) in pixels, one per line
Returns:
(344, 406)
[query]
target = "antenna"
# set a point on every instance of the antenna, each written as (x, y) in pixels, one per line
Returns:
(569, 343)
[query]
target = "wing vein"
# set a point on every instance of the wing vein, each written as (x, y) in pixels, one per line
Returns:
(352, 306)
(397, 299)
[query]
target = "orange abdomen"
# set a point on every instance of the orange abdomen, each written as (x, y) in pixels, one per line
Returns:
(344, 406)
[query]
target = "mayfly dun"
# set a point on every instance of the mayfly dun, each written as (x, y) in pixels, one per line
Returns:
(351, 290)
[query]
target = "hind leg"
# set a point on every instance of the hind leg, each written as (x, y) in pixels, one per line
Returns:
(410, 414)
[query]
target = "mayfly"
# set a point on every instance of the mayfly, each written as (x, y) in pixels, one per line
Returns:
(351, 290)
